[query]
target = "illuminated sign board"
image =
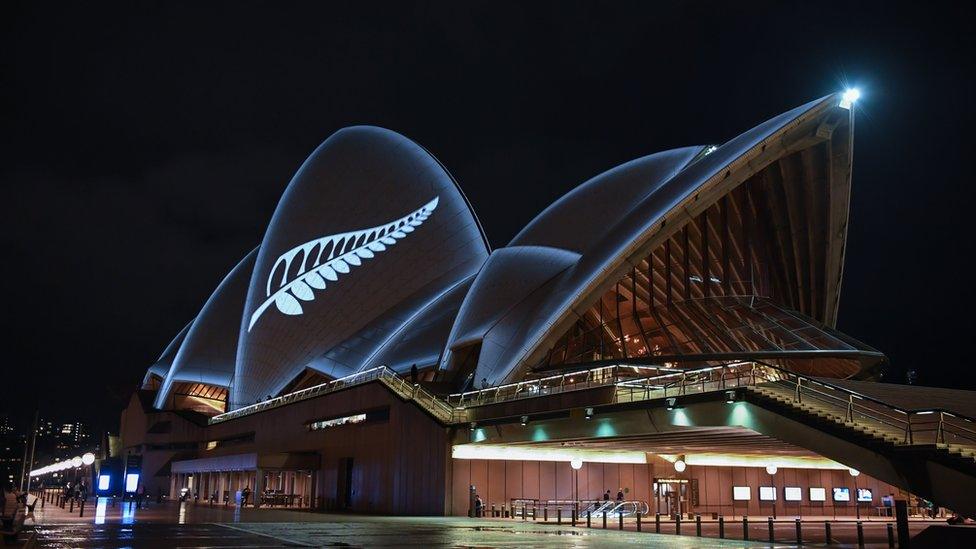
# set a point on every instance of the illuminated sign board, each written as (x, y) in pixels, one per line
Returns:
(818, 494)
(741, 493)
(792, 493)
(842, 494)
(864, 494)
(767, 493)
(104, 481)
(336, 422)
(131, 482)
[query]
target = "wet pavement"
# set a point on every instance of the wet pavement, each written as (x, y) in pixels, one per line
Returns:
(173, 525)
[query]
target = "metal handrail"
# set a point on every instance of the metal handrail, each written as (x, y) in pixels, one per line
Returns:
(948, 426)
(427, 400)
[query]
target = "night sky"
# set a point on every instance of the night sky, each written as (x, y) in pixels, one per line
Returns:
(145, 147)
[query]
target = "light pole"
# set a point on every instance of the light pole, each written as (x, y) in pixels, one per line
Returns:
(771, 469)
(576, 463)
(857, 497)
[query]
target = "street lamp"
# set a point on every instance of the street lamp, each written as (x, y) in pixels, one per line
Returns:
(857, 499)
(576, 463)
(771, 469)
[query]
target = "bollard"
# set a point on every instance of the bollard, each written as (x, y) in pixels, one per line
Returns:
(535, 511)
(698, 525)
(638, 521)
(494, 512)
(559, 515)
(745, 528)
(677, 524)
(588, 519)
(81, 509)
(891, 535)
(860, 534)
(524, 516)
(799, 532)
(545, 514)
(721, 527)
(657, 523)
(604, 520)
(827, 532)
(504, 511)
(769, 523)
(573, 512)
(71, 506)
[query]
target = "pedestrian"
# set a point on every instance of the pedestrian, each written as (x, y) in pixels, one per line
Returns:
(83, 491)
(620, 494)
(11, 512)
(245, 493)
(479, 506)
(141, 494)
(606, 495)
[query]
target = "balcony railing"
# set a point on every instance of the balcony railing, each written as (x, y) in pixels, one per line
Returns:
(929, 426)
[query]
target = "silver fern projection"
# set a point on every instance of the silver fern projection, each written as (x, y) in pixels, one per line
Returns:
(341, 251)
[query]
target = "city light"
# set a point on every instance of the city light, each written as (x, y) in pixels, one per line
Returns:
(771, 469)
(849, 97)
(854, 472)
(680, 466)
(88, 458)
(576, 463)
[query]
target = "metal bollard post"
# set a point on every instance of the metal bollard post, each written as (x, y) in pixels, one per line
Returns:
(588, 519)
(677, 524)
(827, 532)
(545, 514)
(721, 527)
(799, 532)
(81, 509)
(698, 525)
(71, 506)
(769, 522)
(657, 523)
(573, 513)
(535, 513)
(620, 518)
(504, 511)
(604, 520)
(494, 512)
(559, 515)
(745, 528)
(860, 534)
(638, 521)
(891, 535)
(524, 516)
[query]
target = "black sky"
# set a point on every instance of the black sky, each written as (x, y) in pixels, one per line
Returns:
(145, 145)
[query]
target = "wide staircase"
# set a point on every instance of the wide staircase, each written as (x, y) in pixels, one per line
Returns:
(930, 452)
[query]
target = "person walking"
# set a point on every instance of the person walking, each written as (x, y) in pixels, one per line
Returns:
(479, 506)
(606, 495)
(620, 495)
(245, 493)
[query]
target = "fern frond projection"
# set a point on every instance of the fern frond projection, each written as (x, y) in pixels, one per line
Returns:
(308, 268)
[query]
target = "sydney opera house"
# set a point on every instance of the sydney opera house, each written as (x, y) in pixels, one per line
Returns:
(666, 329)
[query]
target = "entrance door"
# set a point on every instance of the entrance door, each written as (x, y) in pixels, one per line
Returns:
(344, 484)
(671, 496)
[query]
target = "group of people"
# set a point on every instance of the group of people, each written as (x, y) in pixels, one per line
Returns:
(620, 495)
(77, 492)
